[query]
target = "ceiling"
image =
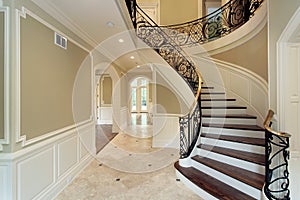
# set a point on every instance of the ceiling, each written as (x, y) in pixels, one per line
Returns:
(92, 20)
(101, 24)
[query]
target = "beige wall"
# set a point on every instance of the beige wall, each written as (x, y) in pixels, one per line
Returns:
(82, 90)
(277, 23)
(124, 96)
(47, 77)
(107, 90)
(178, 11)
(175, 11)
(252, 55)
(167, 99)
(1, 75)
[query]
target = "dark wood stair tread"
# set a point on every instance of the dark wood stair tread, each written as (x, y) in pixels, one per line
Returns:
(224, 107)
(234, 126)
(212, 93)
(218, 99)
(245, 140)
(244, 116)
(207, 87)
(250, 178)
(211, 185)
(243, 155)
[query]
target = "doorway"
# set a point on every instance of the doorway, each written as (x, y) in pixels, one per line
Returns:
(139, 95)
(140, 103)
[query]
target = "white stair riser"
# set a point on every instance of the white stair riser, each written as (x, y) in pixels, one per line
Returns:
(213, 96)
(232, 161)
(203, 89)
(234, 132)
(218, 103)
(223, 111)
(229, 120)
(251, 191)
(201, 193)
(233, 145)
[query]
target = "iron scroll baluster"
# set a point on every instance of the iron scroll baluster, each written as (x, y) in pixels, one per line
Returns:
(156, 37)
(277, 156)
(221, 22)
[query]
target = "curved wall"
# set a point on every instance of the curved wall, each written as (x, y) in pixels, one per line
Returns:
(252, 55)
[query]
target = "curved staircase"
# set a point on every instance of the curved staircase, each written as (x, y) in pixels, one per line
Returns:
(230, 159)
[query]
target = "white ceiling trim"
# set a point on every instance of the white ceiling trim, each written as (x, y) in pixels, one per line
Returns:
(51, 9)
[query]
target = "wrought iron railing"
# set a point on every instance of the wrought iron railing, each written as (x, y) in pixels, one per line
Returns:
(221, 22)
(277, 155)
(169, 50)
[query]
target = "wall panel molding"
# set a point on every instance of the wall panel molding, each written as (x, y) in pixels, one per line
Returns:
(4, 179)
(5, 140)
(19, 138)
(247, 87)
(106, 115)
(70, 24)
(30, 185)
(44, 169)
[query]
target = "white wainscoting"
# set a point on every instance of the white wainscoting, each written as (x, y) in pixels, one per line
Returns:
(4, 181)
(247, 87)
(294, 164)
(105, 115)
(44, 169)
(123, 123)
(5, 140)
(165, 131)
(36, 173)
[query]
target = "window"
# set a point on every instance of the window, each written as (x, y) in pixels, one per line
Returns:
(139, 95)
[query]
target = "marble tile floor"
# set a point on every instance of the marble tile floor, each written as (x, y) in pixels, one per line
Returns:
(141, 119)
(129, 168)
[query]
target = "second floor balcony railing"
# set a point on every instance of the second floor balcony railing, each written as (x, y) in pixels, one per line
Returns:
(219, 23)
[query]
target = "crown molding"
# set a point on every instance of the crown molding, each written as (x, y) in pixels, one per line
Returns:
(52, 10)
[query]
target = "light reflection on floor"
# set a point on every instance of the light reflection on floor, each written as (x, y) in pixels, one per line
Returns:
(128, 168)
(141, 119)
(140, 126)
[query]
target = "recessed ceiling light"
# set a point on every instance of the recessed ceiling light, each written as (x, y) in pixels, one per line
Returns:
(138, 66)
(110, 24)
(121, 40)
(132, 57)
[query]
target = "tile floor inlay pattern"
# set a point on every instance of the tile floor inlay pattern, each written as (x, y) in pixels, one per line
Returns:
(128, 168)
(135, 155)
(100, 183)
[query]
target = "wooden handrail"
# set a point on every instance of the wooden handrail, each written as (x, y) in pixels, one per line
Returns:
(268, 122)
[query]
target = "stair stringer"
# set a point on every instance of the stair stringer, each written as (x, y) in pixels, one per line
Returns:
(189, 162)
(223, 75)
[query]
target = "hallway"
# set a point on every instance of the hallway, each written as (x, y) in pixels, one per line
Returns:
(129, 168)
